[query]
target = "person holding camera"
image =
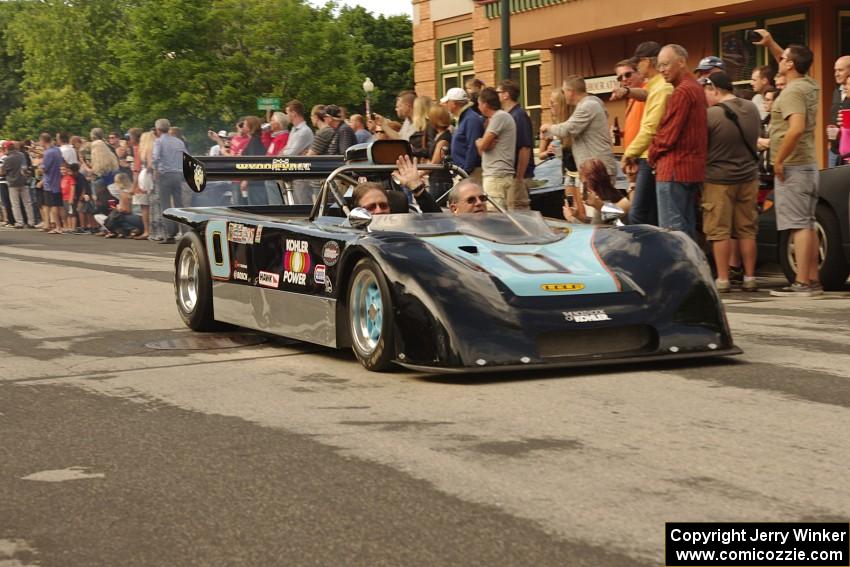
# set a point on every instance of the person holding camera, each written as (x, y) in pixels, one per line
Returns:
(795, 168)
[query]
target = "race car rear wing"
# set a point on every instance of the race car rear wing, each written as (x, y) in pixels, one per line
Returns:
(198, 170)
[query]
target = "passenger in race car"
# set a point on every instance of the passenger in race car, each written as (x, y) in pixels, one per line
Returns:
(467, 197)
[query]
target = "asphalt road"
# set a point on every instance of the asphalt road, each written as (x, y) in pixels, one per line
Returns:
(120, 446)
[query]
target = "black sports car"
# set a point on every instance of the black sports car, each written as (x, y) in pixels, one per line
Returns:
(437, 291)
(833, 227)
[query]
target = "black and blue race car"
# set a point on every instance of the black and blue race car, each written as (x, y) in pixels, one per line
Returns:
(438, 292)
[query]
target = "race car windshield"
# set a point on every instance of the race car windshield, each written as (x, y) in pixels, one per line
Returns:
(496, 227)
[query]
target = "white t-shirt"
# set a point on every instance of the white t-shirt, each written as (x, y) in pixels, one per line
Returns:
(69, 154)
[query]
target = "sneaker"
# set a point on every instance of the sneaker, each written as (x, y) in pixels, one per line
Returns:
(750, 284)
(736, 275)
(723, 286)
(817, 288)
(796, 289)
(19, 226)
(167, 241)
(80, 230)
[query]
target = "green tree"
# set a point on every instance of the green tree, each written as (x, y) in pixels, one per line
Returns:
(11, 75)
(383, 52)
(52, 110)
(69, 43)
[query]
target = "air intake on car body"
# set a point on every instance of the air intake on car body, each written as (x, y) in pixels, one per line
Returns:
(585, 342)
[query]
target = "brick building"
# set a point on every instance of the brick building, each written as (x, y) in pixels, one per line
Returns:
(550, 39)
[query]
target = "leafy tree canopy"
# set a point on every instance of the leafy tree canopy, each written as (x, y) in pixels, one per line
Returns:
(75, 64)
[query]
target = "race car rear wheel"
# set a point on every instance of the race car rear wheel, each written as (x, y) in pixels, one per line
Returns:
(192, 284)
(370, 316)
(831, 262)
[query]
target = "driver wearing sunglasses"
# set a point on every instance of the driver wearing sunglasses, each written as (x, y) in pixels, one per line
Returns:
(372, 197)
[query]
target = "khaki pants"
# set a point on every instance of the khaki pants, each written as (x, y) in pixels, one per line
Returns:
(497, 189)
(518, 195)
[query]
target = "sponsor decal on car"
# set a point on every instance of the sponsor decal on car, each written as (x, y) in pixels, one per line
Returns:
(296, 262)
(330, 253)
(240, 234)
(275, 165)
(588, 316)
(259, 235)
(240, 275)
(329, 287)
(562, 286)
(199, 176)
(319, 274)
(268, 279)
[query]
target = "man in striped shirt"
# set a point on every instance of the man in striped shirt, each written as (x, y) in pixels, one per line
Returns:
(680, 148)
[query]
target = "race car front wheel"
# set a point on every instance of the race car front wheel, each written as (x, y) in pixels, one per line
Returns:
(192, 284)
(831, 262)
(370, 316)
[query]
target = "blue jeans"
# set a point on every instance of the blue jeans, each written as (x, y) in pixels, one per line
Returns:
(677, 206)
(170, 195)
(833, 160)
(644, 207)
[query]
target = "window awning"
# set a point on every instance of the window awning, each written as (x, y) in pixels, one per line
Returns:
(493, 9)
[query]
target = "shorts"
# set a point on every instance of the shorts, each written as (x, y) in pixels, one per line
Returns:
(497, 189)
(142, 199)
(730, 211)
(70, 207)
(796, 198)
(52, 199)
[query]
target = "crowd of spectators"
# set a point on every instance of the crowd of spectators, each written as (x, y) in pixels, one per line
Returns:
(696, 151)
(699, 151)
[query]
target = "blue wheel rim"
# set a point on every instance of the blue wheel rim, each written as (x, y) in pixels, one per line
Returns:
(367, 312)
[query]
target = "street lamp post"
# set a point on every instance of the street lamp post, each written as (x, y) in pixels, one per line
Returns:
(368, 87)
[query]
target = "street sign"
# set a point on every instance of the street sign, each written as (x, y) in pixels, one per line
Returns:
(268, 103)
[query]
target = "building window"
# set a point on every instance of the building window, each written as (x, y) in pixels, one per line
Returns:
(843, 32)
(525, 71)
(455, 62)
(741, 56)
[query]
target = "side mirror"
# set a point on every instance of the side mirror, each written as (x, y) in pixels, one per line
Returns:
(359, 218)
(611, 212)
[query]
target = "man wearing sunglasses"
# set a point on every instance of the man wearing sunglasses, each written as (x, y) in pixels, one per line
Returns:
(644, 209)
(630, 78)
(467, 197)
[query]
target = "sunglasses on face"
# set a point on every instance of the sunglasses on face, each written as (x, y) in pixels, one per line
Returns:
(240, 125)
(475, 198)
(383, 205)
(624, 76)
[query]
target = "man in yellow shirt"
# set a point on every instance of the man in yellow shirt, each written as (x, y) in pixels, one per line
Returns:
(644, 208)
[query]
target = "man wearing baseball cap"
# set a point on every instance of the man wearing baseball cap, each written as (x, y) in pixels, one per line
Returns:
(343, 137)
(709, 65)
(644, 209)
(470, 127)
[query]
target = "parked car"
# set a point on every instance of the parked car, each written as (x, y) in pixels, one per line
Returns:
(833, 227)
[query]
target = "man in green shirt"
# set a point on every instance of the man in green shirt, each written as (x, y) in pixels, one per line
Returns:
(795, 165)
